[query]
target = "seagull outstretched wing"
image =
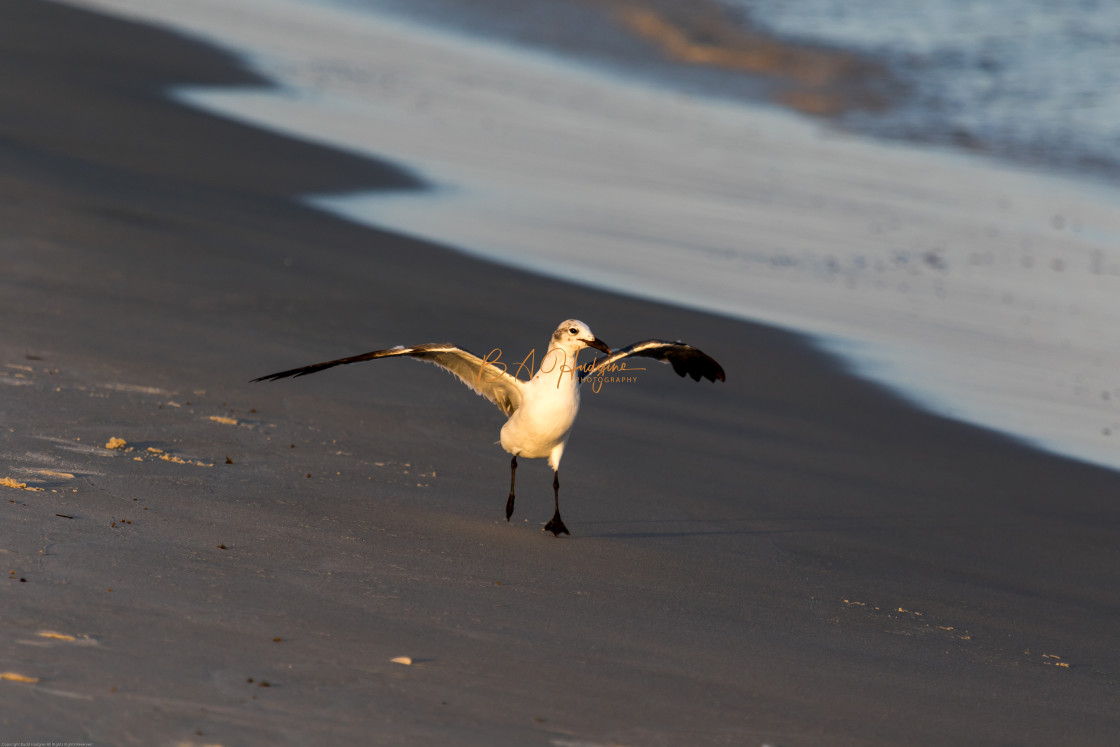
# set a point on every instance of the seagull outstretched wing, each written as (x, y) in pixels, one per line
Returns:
(685, 359)
(483, 377)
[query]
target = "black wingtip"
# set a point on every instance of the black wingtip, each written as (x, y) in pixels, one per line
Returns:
(698, 366)
(712, 370)
(712, 376)
(281, 375)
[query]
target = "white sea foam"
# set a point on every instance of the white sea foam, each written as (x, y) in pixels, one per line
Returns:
(985, 292)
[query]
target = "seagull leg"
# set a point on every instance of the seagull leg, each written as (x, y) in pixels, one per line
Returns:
(556, 524)
(512, 475)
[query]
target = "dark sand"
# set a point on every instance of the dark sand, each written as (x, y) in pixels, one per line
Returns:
(792, 558)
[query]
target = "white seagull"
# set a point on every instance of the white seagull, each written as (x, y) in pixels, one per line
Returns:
(541, 411)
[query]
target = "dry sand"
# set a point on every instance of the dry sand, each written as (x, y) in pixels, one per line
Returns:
(792, 558)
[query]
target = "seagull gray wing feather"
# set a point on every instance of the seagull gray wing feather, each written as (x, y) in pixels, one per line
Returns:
(483, 377)
(685, 359)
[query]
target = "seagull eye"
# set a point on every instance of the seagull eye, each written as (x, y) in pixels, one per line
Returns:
(574, 331)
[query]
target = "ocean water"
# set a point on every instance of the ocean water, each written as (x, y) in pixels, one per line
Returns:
(978, 288)
(1035, 80)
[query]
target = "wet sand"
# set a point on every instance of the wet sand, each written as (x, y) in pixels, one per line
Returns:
(795, 557)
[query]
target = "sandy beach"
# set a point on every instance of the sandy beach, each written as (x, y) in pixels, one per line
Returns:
(795, 557)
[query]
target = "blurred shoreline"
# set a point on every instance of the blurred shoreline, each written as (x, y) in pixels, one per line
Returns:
(700, 46)
(719, 49)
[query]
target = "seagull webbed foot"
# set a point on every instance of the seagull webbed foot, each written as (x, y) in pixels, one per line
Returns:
(556, 526)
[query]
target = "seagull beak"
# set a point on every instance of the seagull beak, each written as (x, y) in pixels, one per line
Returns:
(598, 344)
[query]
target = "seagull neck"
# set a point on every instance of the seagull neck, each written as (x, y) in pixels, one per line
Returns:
(559, 363)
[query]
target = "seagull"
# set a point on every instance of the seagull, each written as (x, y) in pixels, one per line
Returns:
(541, 410)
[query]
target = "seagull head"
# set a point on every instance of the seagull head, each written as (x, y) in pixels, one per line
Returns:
(574, 335)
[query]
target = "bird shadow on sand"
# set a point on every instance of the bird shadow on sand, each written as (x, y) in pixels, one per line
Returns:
(639, 529)
(665, 528)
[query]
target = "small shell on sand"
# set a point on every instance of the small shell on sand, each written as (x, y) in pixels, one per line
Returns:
(116, 443)
(57, 636)
(406, 660)
(14, 677)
